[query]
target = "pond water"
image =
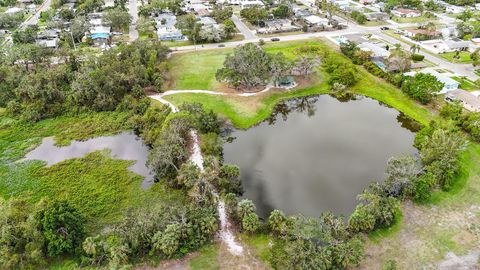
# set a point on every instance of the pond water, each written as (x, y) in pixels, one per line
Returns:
(125, 145)
(316, 154)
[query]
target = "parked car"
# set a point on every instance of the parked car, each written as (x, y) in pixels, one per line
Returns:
(275, 39)
(384, 28)
(221, 45)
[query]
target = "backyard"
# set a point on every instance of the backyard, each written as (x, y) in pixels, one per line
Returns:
(462, 57)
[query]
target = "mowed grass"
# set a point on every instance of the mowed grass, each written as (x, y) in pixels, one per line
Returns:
(196, 70)
(245, 112)
(463, 57)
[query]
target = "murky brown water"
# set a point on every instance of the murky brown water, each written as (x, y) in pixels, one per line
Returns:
(316, 154)
(125, 145)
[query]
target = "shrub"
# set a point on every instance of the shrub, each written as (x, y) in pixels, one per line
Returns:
(417, 57)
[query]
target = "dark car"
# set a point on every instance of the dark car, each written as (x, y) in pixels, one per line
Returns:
(275, 39)
(221, 45)
(384, 28)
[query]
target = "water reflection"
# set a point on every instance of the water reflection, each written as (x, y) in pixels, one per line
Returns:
(125, 145)
(320, 155)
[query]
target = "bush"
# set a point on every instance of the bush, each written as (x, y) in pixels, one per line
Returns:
(211, 144)
(417, 57)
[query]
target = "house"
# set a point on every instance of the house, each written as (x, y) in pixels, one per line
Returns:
(450, 31)
(31, 8)
(378, 52)
(406, 13)
(449, 84)
(278, 26)
(166, 30)
(454, 9)
(108, 3)
(13, 10)
(413, 33)
(251, 3)
(377, 16)
(469, 101)
(314, 20)
(457, 45)
(49, 43)
(367, 2)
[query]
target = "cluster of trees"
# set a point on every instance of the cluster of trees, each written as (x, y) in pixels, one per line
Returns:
(250, 66)
(32, 234)
(162, 230)
(359, 17)
(9, 21)
(196, 32)
(467, 121)
(254, 14)
(157, 6)
(33, 89)
(422, 87)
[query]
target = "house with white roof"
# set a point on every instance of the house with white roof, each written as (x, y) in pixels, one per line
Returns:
(377, 51)
(314, 20)
(13, 10)
(406, 13)
(251, 3)
(166, 30)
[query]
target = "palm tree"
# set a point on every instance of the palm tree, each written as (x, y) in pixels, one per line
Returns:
(415, 48)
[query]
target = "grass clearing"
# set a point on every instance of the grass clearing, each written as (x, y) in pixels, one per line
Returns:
(260, 244)
(248, 111)
(466, 84)
(207, 260)
(462, 58)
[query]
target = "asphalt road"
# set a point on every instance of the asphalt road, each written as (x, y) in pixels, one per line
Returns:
(246, 32)
(133, 10)
(466, 70)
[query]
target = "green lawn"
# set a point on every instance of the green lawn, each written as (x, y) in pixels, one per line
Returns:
(247, 111)
(420, 19)
(464, 57)
(207, 260)
(466, 84)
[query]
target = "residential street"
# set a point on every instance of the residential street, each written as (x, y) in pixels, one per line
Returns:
(246, 32)
(33, 20)
(462, 69)
(133, 10)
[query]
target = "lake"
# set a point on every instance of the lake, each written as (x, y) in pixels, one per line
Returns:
(125, 145)
(316, 154)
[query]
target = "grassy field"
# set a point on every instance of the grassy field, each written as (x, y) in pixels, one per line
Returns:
(420, 19)
(247, 111)
(101, 188)
(464, 57)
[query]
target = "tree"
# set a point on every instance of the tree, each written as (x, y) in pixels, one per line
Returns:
(189, 26)
(25, 36)
(306, 65)
(229, 28)
(119, 19)
(475, 56)
(250, 223)
(221, 13)
(422, 87)
(254, 14)
(359, 17)
(244, 208)
(168, 241)
(282, 11)
(400, 173)
(248, 67)
(440, 153)
(280, 67)
(63, 228)
(212, 33)
(398, 61)
(170, 150)
(89, 6)
(327, 7)
(21, 242)
(79, 27)
(278, 223)
(414, 48)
